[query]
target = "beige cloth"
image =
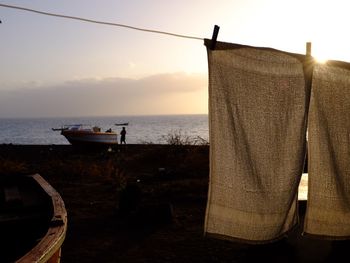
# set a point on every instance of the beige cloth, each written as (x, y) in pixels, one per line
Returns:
(328, 208)
(257, 125)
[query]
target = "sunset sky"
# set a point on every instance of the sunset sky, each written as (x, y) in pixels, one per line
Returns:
(58, 67)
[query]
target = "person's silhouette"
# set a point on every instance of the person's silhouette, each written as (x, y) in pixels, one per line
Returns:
(122, 136)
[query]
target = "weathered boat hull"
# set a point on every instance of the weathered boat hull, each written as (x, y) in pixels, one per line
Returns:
(33, 220)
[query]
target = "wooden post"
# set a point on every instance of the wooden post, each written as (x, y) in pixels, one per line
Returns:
(308, 49)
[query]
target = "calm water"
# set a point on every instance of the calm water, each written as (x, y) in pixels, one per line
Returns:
(141, 129)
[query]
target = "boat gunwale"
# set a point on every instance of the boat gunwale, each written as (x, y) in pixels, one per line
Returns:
(50, 245)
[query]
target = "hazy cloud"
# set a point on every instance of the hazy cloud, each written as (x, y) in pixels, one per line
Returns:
(157, 94)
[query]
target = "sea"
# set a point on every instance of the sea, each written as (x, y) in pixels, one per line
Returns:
(140, 129)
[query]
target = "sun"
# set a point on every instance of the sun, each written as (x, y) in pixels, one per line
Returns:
(321, 60)
(329, 49)
(321, 52)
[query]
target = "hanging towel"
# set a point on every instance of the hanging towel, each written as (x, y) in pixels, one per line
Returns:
(328, 207)
(257, 124)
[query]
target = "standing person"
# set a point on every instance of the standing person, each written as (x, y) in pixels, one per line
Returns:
(122, 136)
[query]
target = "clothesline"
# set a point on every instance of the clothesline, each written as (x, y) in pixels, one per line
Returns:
(99, 22)
(212, 43)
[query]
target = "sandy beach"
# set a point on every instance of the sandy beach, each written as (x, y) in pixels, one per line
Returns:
(146, 203)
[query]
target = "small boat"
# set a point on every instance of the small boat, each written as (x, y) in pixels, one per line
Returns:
(79, 134)
(122, 124)
(33, 220)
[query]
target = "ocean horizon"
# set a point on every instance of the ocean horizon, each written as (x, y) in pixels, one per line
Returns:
(141, 129)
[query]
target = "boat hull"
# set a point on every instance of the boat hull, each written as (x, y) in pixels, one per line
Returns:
(90, 138)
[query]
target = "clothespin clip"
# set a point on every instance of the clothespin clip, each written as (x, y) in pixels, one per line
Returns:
(214, 37)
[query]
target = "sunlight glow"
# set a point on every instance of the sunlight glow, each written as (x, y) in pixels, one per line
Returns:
(329, 41)
(321, 51)
(326, 49)
(321, 60)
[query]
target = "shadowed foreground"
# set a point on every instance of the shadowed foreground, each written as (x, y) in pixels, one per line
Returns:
(146, 203)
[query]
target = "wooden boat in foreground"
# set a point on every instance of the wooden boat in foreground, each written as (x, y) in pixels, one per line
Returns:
(33, 220)
(86, 135)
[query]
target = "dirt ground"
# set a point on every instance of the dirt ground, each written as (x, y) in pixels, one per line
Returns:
(146, 203)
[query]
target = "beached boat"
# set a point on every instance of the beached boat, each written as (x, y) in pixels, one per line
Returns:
(33, 220)
(79, 134)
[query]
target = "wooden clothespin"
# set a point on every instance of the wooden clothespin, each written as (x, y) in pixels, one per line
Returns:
(214, 37)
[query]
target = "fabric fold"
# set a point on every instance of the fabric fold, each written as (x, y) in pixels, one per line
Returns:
(258, 103)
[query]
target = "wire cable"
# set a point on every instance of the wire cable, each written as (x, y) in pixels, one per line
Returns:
(99, 22)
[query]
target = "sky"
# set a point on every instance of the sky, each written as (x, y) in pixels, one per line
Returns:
(54, 67)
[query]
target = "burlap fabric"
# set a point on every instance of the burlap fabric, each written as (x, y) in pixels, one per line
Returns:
(258, 103)
(328, 206)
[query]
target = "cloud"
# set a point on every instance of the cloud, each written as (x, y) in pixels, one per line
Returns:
(158, 94)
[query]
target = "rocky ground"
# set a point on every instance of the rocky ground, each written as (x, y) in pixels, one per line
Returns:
(145, 203)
